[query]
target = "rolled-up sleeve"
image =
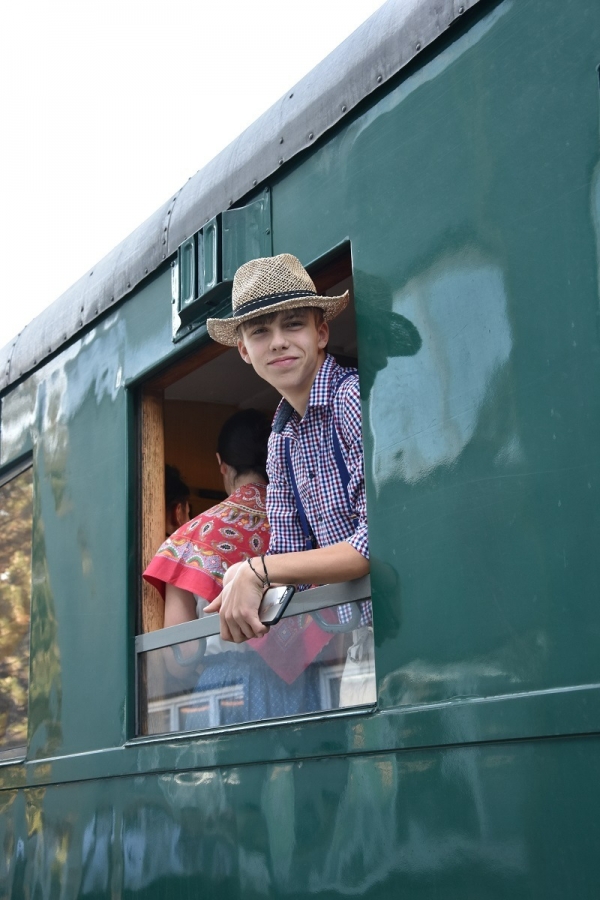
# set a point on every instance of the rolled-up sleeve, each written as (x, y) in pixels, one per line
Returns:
(347, 411)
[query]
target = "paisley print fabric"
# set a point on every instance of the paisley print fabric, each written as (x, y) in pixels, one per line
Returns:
(197, 555)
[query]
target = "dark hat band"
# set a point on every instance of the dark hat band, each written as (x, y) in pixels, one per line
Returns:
(269, 300)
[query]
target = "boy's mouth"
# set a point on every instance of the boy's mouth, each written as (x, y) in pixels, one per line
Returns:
(282, 361)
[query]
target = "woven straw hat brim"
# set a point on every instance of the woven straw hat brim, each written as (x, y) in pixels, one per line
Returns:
(225, 331)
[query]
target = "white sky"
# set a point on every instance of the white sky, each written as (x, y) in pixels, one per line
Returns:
(108, 107)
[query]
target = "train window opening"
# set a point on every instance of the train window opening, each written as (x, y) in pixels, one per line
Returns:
(297, 668)
(16, 516)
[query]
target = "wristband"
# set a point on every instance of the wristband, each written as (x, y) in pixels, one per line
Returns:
(264, 565)
(264, 583)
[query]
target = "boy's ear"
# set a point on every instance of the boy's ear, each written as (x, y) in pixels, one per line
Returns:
(243, 352)
(323, 334)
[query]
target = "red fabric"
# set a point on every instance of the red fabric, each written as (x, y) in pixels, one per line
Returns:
(291, 645)
(197, 555)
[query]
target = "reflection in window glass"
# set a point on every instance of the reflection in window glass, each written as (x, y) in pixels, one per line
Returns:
(15, 602)
(296, 669)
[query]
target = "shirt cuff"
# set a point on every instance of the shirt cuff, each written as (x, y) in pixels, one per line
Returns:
(360, 541)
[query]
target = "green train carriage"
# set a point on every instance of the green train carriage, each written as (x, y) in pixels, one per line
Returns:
(444, 163)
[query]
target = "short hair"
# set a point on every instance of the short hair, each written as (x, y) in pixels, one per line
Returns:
(267, 318)
(243, 440)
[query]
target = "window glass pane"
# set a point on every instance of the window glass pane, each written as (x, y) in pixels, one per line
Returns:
(15, 603)
(298, 668)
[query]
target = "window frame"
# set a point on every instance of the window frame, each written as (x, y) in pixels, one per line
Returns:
(328, 271)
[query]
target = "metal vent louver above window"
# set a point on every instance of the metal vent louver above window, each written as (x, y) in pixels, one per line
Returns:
(207, 261)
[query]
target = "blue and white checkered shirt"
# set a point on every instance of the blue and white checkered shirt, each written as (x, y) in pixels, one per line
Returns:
(313, 459)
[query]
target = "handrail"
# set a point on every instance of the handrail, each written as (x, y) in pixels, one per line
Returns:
(303, 602)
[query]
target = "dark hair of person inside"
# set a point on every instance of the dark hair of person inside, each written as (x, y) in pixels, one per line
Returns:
(177, 500)
(242, 442)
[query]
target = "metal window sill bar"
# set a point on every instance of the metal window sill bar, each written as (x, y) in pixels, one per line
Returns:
(257, 725)
(13, 757)
(323, 597)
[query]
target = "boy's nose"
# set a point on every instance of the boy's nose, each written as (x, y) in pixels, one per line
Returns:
(278, 338)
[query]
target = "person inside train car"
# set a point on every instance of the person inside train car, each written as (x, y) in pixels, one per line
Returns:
(316, 500)
(188, 571)
(177, 500)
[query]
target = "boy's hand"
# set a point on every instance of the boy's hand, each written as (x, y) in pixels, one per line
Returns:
(238, 604)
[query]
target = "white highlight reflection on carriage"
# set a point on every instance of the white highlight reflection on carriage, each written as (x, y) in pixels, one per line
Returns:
(424, 409)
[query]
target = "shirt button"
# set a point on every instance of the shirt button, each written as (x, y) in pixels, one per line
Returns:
(320, 518)
(312, 475)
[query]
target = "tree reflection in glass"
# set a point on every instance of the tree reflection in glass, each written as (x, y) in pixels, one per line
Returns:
(15, 603)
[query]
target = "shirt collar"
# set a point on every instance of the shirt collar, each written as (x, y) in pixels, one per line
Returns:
(319, 394)
(321, 389)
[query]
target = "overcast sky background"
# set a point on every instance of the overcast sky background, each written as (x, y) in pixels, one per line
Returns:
(109, 106)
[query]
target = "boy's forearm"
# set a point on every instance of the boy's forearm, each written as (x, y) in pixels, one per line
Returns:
(242, 590)
(326, 565)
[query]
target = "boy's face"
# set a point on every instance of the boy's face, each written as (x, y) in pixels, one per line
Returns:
(286, 351)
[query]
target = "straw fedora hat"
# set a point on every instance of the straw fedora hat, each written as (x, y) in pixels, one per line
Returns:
(268, 285)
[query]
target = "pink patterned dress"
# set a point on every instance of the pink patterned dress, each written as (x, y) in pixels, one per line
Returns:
(197, 555)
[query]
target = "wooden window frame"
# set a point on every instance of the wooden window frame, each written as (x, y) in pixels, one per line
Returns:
(152, 475)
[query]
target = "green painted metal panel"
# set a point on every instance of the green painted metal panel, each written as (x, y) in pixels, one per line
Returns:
(246, 233)
(188, 273)
(467, 196)
(499, 821)
(209, 253)
(547, 714)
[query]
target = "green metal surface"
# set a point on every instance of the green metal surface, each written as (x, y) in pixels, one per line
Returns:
(209, 251)
(470, 193)
(188, 277)
(467, 196)
(463, 824)
(247, 233)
